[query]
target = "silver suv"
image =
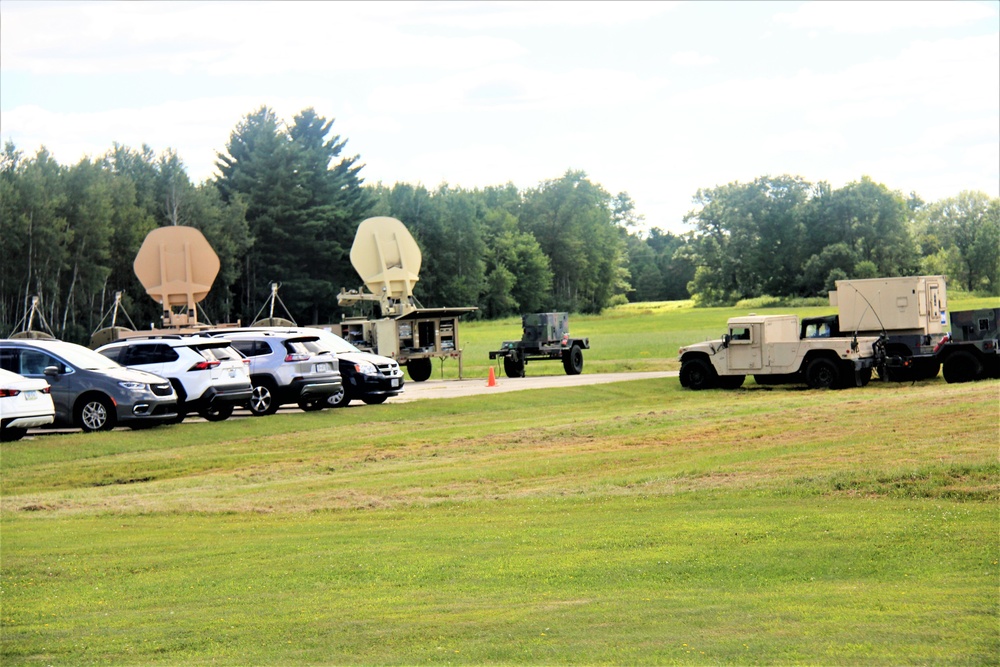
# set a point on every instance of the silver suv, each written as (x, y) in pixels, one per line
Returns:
(284, 370)
(209, 376)
(89, 390)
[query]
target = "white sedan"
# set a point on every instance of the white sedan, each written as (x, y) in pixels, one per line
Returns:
(24, 403)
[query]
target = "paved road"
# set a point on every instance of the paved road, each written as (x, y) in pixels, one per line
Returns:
(416, 391)
(453, 388)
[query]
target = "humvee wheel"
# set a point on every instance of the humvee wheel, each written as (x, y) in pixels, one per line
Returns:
(419, 369)
(731, 381)
(573, 360)
(822, 374)
(697, 374)
(513, 368)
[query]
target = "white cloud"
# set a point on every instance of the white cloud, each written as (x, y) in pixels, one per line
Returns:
(535, 14)
(228, 38)
(692, 59)
(518, 88)
(868, 17)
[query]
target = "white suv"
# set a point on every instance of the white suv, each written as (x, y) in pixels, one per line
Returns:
(283, 369)
(209, 376)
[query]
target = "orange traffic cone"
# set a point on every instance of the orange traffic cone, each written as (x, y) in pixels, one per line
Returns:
(492, 382)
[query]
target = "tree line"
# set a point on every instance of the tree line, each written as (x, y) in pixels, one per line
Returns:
(287, 200)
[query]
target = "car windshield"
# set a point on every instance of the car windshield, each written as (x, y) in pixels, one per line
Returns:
(80, 357)
(335, 343)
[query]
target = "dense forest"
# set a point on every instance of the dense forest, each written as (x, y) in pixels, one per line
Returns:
(286, 202)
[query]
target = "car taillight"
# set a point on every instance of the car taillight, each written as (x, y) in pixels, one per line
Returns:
(297, 357)
(246, 362)
(204, 365)
(7, 393)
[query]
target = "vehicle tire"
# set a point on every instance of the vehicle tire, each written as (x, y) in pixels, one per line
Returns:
(263, 400)
(961, 366)
(822, 374)
(926, 368)
(340, 399)
(513, 368)
(312, 404)
(374, 400)
(573, 360)
(95, 413)
(698, 374)
(897, 374)
(216, 412)
(419, 369)
(12, 434)
(731, 381)
(181, 397)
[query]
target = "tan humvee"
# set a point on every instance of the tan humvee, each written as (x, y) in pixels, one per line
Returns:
(770, 348)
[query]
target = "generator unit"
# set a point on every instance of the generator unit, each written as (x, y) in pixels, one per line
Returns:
(544, 336)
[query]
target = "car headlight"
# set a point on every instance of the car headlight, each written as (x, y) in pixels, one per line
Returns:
(365, 368)
(132, 386)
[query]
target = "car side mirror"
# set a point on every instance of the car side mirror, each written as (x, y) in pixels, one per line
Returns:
(725, 340)
(51, 370)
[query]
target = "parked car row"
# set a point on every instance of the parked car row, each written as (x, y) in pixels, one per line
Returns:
(146, 380)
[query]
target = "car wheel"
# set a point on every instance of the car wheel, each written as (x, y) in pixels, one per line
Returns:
(12, 434)
(312, 404)
(961, 367)
(573, 360)
(95, 413)
(697, 374)
(374, 400)
(822, 374)
(263, 400)
(216, 412)
(340, 399)
(419, 369)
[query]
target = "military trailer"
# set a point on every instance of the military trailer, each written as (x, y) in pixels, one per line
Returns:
(770, 348)
(545, 336)
(972, 350)
(909, 310)
(387, 259)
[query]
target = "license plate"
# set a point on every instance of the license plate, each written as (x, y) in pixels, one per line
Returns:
(395, 382)
(30, 395)
(232, 372)
(322, 368)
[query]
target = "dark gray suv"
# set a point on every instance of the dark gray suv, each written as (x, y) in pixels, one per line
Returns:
(89, 390)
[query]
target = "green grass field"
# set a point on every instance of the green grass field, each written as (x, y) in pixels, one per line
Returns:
(628, 523)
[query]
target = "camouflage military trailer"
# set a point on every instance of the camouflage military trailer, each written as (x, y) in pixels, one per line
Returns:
(971, 352)
(545, 336)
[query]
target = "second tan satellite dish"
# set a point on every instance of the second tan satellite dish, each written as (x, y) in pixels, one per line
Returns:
(387, 259)
(177, 266)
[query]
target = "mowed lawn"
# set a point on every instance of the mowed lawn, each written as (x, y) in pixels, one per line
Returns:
(629, 523)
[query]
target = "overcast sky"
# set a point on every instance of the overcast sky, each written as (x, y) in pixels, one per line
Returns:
(656, 99)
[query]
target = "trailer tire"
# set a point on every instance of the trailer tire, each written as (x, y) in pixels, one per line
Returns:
(821, 373)
(419, 369)
(697, 374)
(961, 366)
(573, 360)
(512, 367)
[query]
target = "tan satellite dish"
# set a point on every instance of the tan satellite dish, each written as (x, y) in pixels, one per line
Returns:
(177, 266)
(386, 258)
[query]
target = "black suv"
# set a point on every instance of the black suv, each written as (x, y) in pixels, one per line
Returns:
(367, 377)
